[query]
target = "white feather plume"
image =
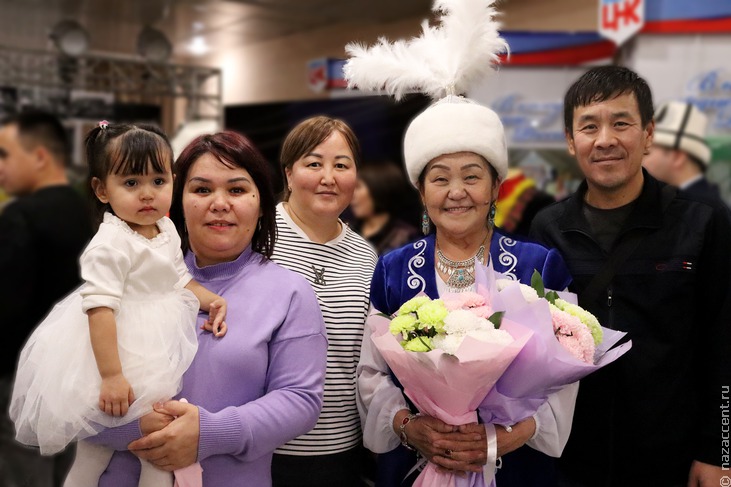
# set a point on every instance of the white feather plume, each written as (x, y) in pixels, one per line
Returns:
(444, 59)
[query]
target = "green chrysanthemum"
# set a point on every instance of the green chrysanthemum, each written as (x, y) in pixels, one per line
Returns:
(437, 327)
(432, 313)
(412, 305)
(418, 344)
(586, 318)
(403, 324)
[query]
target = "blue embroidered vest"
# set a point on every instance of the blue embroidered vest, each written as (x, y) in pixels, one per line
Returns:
(405, 272)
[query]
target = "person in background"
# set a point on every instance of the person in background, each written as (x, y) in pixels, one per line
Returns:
(679, 154)
(4, 199)
(518, 202)
(379, 195)
(43, 231)
(259, 386)
(319, 159)
(649, 261)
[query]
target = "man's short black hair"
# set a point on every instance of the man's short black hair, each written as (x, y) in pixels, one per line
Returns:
(36, 127)
(605, 82)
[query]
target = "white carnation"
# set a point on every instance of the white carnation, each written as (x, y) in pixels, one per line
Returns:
(529, 294)
(484, 324)
(448, 343)
(498, 337)
(460, 321)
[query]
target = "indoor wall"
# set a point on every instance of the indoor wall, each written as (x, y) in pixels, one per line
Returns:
(276, 70)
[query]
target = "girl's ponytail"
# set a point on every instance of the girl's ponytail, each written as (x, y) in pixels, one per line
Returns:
(94, 151)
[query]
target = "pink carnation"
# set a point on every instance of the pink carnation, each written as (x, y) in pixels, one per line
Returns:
(473, 300)
(573, 335)
(454, 301)
(482, 311)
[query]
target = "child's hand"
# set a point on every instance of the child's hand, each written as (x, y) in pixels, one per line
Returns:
(116, 395)
(221, 331)
(216, 315)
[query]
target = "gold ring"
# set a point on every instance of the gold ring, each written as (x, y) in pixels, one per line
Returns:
(448, 452)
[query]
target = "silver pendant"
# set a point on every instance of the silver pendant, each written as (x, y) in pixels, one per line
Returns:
(319, 275)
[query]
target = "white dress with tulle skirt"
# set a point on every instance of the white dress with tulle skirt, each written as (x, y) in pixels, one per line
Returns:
(56, 392)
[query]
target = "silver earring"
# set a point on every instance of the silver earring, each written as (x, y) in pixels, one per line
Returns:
(425, 223)
(491, 216)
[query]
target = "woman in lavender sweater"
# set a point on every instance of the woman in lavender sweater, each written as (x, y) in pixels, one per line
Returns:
(259, 386)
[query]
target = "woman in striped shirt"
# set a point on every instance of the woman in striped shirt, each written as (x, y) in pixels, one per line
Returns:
(319, 158)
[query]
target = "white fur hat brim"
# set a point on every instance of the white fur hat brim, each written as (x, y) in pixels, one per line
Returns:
(454, 124)
(682, 126)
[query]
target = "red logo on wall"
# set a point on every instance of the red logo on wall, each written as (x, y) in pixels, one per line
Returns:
(621, 19)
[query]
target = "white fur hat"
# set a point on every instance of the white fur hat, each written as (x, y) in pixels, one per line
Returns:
(444, 60)
(454, 124)
(681, 125)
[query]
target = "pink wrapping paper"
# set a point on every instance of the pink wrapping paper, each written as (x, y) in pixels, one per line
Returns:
(543, 366)
(448, 387)
(190, 476)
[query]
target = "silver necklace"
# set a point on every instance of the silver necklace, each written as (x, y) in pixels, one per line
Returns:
(461, 273)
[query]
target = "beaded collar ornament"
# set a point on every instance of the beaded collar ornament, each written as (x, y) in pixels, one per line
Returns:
(461, 272)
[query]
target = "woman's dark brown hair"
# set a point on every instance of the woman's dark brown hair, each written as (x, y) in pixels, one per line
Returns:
(233, 150)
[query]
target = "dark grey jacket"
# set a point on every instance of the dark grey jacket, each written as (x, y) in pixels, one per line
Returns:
(644, 418)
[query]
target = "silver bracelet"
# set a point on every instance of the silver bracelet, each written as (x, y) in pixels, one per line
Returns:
(402, 432)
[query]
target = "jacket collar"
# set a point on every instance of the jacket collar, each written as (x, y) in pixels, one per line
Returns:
(647, 212)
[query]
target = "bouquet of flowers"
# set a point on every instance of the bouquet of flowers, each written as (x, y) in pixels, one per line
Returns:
(568, 344)
(499, 352)
(448, 354)
(426, 324)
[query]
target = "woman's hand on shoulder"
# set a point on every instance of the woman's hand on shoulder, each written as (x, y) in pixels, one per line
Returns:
(176, 445)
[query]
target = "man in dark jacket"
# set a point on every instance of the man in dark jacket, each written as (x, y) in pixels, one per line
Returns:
(663, 274)
(679, 154)
(42, 234)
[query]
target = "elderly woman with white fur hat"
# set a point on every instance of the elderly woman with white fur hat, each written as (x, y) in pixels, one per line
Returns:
(456, 156)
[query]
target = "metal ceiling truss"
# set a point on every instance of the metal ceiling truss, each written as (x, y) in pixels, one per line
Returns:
(132, 80)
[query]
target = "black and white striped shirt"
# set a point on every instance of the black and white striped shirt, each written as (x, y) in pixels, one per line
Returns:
(340, 272)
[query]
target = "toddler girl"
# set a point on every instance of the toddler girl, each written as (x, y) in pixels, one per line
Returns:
(120, 342)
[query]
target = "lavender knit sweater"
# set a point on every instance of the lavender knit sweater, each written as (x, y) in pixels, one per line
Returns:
(256, 388)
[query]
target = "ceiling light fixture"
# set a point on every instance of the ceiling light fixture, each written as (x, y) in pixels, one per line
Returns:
(70, 38)
(198, 46)
(153, 45)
